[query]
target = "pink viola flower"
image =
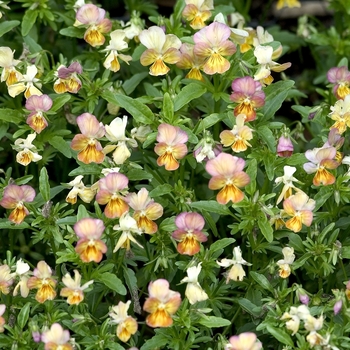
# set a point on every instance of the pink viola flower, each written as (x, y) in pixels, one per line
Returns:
(212, 44)
(2, 320)
(197, 12)
(43, 282)
(94, 18)
(189, 233)
(321, 159)
(145, 210)
(335, 140)
(6, 279)
(171, 146)
(112, 189)
(248, 93)
(244, 341)
(162, 303)
(285, 146)
(161, 48)
(90, 150)
(38, 105)
(90, 247)
(228, 175)
(299, 206)
(68, 80)
(56, 338)
(340, 76)
(15, 198)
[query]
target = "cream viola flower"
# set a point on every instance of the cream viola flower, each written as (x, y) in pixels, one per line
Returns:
(134, 27)
(340, 76)
(294, 316)
(284, 264)
(236, 272)
(197, 12)
(340, 113)
(161, 48)
(26, 84)
(9, 73)
(194, 291)
(27, 152)
(56, 338)
(287, 180)
(2, 320)
(86, 194)
(243, 341)
(23, 272)
(6, 279)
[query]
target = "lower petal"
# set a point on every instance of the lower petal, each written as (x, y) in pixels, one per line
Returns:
(18, 214)
(294, 224)
(160, 318)
(189, 246)
(94, 37)
(216, 64)
(323, 177)
(169, 161)
(230, 193)
(115, 208)
(158, 68)
(91, 155)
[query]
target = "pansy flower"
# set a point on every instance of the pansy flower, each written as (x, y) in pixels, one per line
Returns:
(284, 264)
(2, 320)
(56, 338)
(23, 272)
(340, 76)
(86, 194)
(294, 316)
(206, 148)
(68, 80)
(38, 105)
(285, 146)
(287, 3)
(161, 48)
(340, 113)
(9, 73)
(15, 197)
(197, 12)
(6, 279)
(27, 152)
(243, 341)
(27, 83)
(162, 303)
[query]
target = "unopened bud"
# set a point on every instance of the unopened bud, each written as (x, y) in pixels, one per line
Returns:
(337, 307)
(304, 299)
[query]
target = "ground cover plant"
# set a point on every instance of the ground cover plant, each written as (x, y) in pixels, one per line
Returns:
(170, 182)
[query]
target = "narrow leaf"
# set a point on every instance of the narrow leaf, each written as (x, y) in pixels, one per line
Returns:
(221, 244)
(262, 281)
(23, 315)
(61, 145)
(187, 94)
(211, 206)
(266, 228)
(7, 26)
(281, 335)
(44, 186)
(168, 108)
(113, 282)
(11, 115)
(28, 21)
(214, 322)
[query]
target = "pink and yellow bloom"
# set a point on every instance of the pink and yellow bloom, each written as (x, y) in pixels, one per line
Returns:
(244, 341)
(340, 76)
(9, 73)
(171, 146)
(145, 210)
(56, 338)
(285, 146)
(38, 105)
(6, 279)
(2, 320)
(228, 175)
(112, 189)
(15, 198)
(43, 282)
(248, 93)
(162, 303)
(94, 18)
(212, 44)
(340, 113)
(299, 206)
(197, 12)
(90, 247)
(90, 150)
(161, 48)
(68, 80)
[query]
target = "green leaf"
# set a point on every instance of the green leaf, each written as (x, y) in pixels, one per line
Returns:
(7, 224)
(61, 145)
(221, 244)
(23, 180)
(89, 169)
(32, 44)
(11, 115)
(266, 228)
(28, 21)
(281, 335)
(161, 190)
(140, 112)
(39, 201)
(209, 220)
(23, 315)
(138, 174)
(262, 281)
(209, 121)
(168, 108)
(252, 171)
(113, 282)
(73, 32)
(321, 197)
(187, 94)
(214, 322)
(296, 242)
(44, 186)
(212, 206)
(7, 26)
(168, 224)
(267, 136)
(82, 212)
(156, 342)
(131, 84)
(248, 306)
(59, 101)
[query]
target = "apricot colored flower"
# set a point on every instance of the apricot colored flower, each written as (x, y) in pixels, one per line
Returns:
(162, 303)
(340, 76)
(2, 320)
(243, 341)
(90, 150)
(171, 146)
(94, 18)
(110, 192)
(9, 73)
(340, 113)
(27, 152)
(189, 233)
(38, 105)
(43, 282)
(23, 272)
(321, 159)
(284, 264)
(238, 137)
(89, 246)
(73, 291)
(161, 48)
(68, 80)
(145, 210)
(228, 175)
(127, 325)
(6, 279)
(287, 179)
(299, 206)
(287, 3)
(27, 84)
(197, 12)
(56, 338)
(15, 198)
(86, 194)
(248, 93)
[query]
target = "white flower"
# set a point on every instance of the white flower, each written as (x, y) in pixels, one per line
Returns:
(79, 189)
(295, 315)
(107, 171)
(22, 270)
(26, 150)
(26, 84)
(287, 179)
(284, 264)
(9, 73)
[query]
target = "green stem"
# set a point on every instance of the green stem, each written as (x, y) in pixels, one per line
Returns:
(343, 269)
(232, 320)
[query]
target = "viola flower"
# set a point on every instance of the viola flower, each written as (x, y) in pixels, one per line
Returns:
(23, 272)
(340, 113)
(145, 210)
(248, 93)
(43, 282)
(2, 320)
(212, 44)
(161, 48)
(134, 27)
(56, 338)
(73, 291)
(197, 12)
(116, 44)
(299, 207)
(26, 84)
(128, 227)
(162, 303)
(94, 18)
(313, 325)
(15, 198)
(27, 152)
(38, 105)
(68, 80)
(340, 76)
(285, 147)
(335, 140)
(194, 291)
(89, 246)
(9, 73)
(171, 146)
(284, 264)
(206, 148)
(127, 325)
(236, 272)
(295, 315)
(189, 233)
(90, 150)
(228, 175)
(86, 194)
(321, 159)
(287, 3)
(110, 192)
(6, 279)
(238, 137)
(244, 341)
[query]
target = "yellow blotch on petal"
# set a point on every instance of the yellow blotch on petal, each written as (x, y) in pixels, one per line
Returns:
(115, 65)
(89, 252)
(74, 297)
(230, 193)
(247, 109)
(115, 208)
(90, 154)
(159, 318)
(324, 177)
(45, 292)
(126, 329)
(12, 78)
(18, 214)
(284, 271)
(168, 160)
(24, 157)
(145, 224)
(294, 224)
(60, 87)
(239, 145)
(342, 91)
(189, 246)
(216, 64)
(94, 37)
(159, 68)
(73, 85)
(195, 73)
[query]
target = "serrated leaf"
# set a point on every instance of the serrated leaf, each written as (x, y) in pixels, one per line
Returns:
(221, 244)
(266, 228)
(281, 335)
(60, 145)
(28, 21)
(113, 282)
(262, 281)
(44, 186)
(161, 190)
(187, 94)
(211, 206)
(214, 322)
(7, 26)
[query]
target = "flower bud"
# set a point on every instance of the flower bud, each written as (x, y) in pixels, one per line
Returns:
(304, 299)
(285, 147)
(337, 307)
